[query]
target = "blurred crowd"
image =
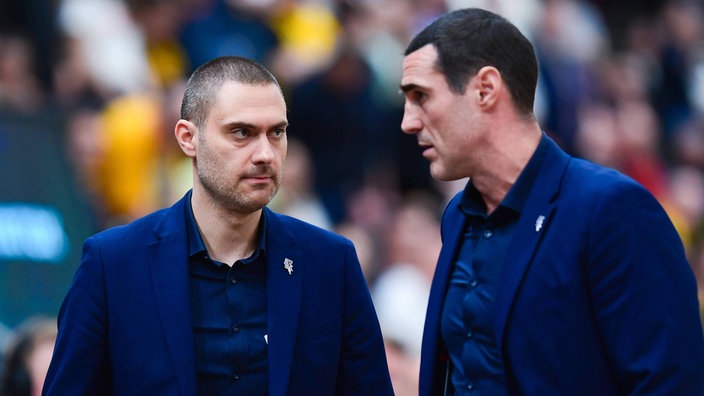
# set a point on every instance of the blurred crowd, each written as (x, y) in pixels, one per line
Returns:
(622, 84)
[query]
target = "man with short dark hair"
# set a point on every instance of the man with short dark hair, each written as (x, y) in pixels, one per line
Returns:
(218, 295)
(557, 276)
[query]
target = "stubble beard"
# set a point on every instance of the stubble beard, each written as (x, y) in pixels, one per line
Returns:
(226, 191)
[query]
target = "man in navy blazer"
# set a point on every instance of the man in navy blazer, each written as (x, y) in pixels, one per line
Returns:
(557, 276)
(217, 294)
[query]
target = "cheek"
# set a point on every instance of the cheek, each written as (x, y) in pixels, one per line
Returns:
(449, 133)
(281, 153)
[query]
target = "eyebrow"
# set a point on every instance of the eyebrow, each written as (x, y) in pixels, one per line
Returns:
(247, 125)
(405, 88)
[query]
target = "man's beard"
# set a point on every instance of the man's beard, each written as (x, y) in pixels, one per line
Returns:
(222, 189)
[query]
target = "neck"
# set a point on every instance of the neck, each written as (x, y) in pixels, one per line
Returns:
(507, 155)
(227, 236)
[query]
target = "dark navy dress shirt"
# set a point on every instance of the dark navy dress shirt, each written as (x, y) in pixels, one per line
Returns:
(467, 318)
(228, 306)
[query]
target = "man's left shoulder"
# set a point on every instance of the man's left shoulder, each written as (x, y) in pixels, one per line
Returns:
(589, 179)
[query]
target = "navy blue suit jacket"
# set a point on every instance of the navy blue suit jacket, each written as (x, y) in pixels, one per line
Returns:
(125, 325)
(595, 297)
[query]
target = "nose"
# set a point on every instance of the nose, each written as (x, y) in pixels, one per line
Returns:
(410, 123)
(263, 150)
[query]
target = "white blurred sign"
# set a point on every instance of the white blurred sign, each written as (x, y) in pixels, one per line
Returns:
(31, 232)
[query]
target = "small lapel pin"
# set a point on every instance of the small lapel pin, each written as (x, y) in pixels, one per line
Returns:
(288, 265)
(539, 223)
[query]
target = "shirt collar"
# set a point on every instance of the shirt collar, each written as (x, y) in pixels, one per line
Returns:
(515, 199)
(195, 240)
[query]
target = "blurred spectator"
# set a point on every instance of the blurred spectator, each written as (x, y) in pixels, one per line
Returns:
(620, 16)
(368, 248)
(334, 114)
(400, 293)
(403, 369)
(20, 89)
(27, 357)
(688, 143)
(85, 148)
(380, 30)
(307, 31)
(596, 136)
(526, 15)
(568, 41)
(74, 85)
(296, 196)
(128, 172)
(34, 21)
(110, 44)
(639, 147)
(685, 205)
(681, 56)
(230, 27)
(160, 22)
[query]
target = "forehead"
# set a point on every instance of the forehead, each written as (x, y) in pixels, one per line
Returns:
(419, 68)
(249, 101)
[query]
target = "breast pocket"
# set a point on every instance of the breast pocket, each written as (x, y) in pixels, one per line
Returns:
(321, 336)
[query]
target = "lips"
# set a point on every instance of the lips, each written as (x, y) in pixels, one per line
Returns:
(425, 148)
(260, 177)
(260, 173)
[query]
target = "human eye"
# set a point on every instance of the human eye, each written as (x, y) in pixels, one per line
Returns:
(240, 133)
(414, 94)
(417, 97)
(278, 132)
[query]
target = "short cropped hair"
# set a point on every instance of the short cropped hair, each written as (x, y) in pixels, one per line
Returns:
(468, 39)
(207, 79)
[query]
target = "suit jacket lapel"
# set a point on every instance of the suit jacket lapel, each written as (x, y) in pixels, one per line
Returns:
(533, 223)
(433, 355)
(284, 293)
(168, 263)
(452, 231)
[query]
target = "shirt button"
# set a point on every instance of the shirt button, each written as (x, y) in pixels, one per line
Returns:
(233, 281)
(470, 386)
(470, 334)
(235, 377)
(235, 328)
(488, 234)
(473, 283)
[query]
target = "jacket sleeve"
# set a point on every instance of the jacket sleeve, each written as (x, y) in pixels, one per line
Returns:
(644, 295)
(80, 363)
(363, 365)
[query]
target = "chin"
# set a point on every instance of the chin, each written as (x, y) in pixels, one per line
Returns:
(439, 174)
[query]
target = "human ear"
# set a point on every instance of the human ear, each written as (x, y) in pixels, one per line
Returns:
(185, 132)
(488, 84)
